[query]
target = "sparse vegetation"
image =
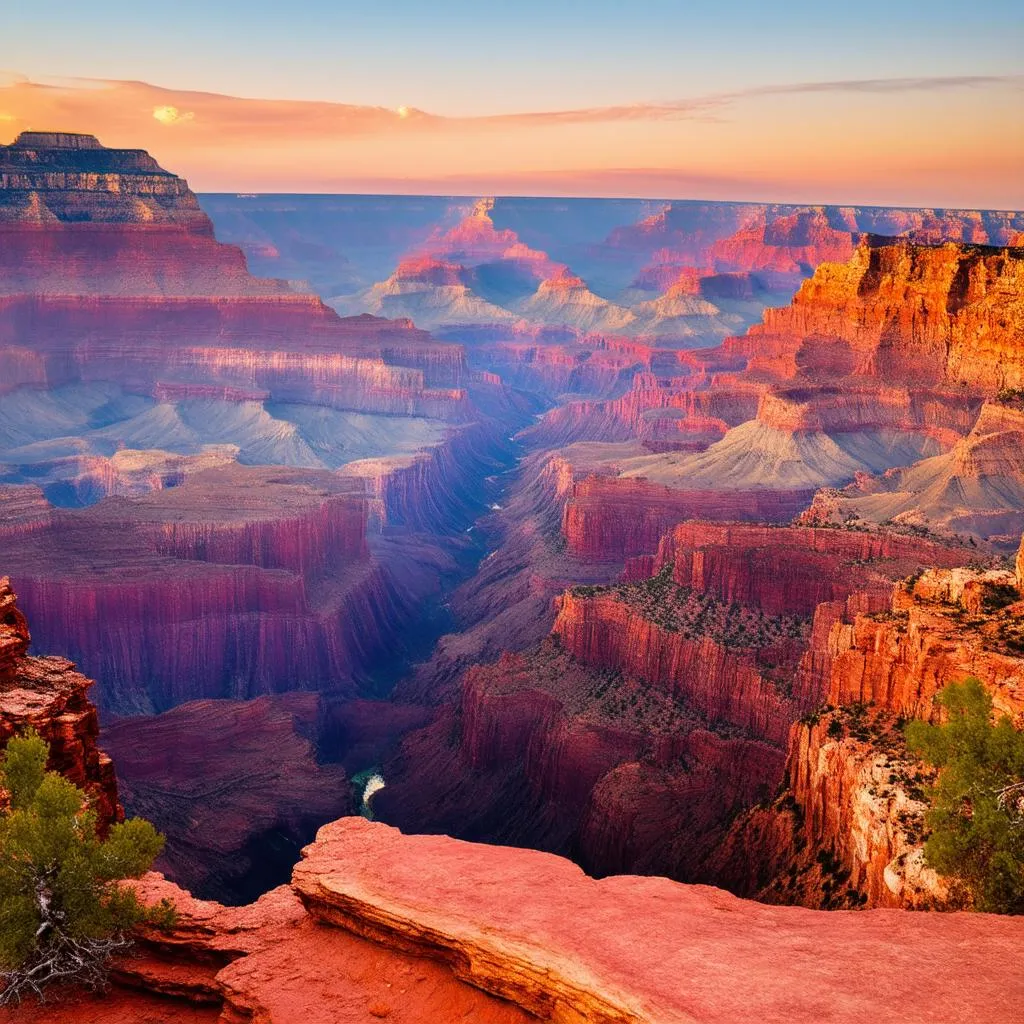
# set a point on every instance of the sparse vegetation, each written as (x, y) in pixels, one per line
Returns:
(998, 596)
(1010, 396)
(693, 614)
(977, 803)
(63, 911)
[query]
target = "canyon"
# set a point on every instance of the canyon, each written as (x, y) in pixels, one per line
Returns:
(624, 534)
(376, 924)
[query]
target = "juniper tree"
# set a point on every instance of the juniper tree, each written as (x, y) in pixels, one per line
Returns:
(977, 803)
(63, 911)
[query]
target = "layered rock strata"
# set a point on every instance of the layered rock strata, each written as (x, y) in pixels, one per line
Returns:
(47, 694)
(849, 827)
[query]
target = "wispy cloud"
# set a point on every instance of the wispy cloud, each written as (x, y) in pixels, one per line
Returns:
(883, 85)
(231, 142)
(120, 103)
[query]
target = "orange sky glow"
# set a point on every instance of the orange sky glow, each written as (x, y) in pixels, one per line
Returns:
(954, 141)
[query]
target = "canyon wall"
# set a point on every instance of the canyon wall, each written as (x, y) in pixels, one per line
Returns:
(849, 826)
(948, 314)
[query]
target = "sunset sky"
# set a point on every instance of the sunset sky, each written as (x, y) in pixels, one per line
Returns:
(880, 102)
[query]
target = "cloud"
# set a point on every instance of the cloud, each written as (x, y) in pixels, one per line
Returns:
(231, 143)
(167, 114)
(884, 85)
(120, 107)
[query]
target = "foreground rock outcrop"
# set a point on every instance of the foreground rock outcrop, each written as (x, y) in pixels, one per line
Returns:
(416, 928)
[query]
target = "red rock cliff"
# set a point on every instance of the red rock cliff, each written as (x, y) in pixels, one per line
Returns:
(48, 695)
(899, 311)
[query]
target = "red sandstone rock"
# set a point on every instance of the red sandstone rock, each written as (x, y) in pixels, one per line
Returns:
(848, 790)
(790, 570)
(449, 919)
(535, 930)
(48, 695)
(618, 518)
(901, 312)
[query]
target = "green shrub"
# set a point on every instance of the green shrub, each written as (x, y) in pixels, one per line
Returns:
(977, 803)
(62, 909)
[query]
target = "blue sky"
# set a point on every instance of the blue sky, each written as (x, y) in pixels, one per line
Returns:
(460, 57)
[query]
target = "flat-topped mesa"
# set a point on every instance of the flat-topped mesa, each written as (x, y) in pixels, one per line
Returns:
(901, 312)
(109, 270)
(790, 569)
(59, 177)
(48, 695)
(77, 218)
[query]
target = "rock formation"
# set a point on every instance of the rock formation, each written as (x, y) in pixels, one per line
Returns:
(47, 694)
(897, 311)
(849, 826)
(148, 387)
(414, 928)
(975, 490)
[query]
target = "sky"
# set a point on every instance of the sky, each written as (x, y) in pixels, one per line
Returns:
(895, 102)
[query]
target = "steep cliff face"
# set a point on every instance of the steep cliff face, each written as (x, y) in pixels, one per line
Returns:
(657, 709)
(48, 695)
(664, 413)
(432, 490)
(110, 271)
(613, 518)
(787, 569)
(696, 653)
(238, 582)
(778, 244)
(850, 826)
(63, 177)
(547, 752)
(900, 311)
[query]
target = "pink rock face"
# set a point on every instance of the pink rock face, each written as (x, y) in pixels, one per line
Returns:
(724, 686)
(242, 573)
(789, 570)
(535, 930)
(377, 925)
(662, 413)
(109, 270)
(784, 249)
(852, 790)
(614, 519)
